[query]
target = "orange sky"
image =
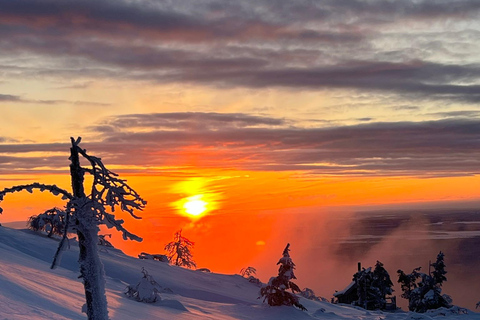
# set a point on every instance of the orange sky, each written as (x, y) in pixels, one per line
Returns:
(245, 209)
(279, 117)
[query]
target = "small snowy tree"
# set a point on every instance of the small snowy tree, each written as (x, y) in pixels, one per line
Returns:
(52, 221)
(423, 291)
(86, 212)
(179, 251)
(373, 287)
(248, 271)
(408, 281)
(365, 292)
(439, 271)
(146, 290)
(309, 294)
(149, 256)
(275, 291)
(382, 282)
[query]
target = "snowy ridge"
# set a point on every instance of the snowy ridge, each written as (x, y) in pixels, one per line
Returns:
(29, 289)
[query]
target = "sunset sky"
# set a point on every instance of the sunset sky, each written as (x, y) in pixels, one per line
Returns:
(267, 111)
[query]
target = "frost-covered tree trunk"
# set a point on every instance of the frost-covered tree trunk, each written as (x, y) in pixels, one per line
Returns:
(84, 213)
(91, 267)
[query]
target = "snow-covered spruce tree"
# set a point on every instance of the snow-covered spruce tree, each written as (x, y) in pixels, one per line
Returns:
(423, 291)
(439, 271)
(408, 282)
(373, 287)
(381, 280)
(146, 290)
(275, 292)
(179, 251)
(365, 292)
(52, 221)
(85, 212)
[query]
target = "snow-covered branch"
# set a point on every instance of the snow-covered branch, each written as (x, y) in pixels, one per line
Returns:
(42, 187)
(108, 189)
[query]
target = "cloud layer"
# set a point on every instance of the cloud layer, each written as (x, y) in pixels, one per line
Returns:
(448, 147)
(413, 48)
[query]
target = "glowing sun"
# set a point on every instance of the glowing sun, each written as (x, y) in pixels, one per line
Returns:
(195, 206)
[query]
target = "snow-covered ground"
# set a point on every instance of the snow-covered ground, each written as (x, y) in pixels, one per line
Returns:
(29, 289)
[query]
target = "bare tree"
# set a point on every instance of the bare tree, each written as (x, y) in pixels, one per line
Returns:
(179, 250)
(86, 213)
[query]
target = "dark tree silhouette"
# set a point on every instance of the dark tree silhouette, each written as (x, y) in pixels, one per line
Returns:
(275, 292)
(381, 285)
(248, 271)
(423, 291)
(408, 282)
(439, 272)
(86, 212)
(179, 251)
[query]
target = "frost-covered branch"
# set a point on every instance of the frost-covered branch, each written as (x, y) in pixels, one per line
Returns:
(108, 189)
(42, 187)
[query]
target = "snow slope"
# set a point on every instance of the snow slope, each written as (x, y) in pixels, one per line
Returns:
(29, 289)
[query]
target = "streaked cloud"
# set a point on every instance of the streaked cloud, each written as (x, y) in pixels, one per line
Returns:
(19, 99)
(448, 147)
(416, 49)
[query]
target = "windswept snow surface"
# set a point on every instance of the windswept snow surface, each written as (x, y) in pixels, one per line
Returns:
(29, 289)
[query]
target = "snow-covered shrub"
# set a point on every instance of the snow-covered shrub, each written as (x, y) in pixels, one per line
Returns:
(275, 292)
(52, 221)
(445, 312)
(424, 291)
(206, 270)
(146, 290)
(309, 294)
(255, 281)
(157, 257)
(179, 251)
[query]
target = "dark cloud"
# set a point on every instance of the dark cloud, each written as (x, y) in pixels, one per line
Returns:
(14, 98)
(448, 147)
(9, 98)
(458, 114)
(414, 77)
(255, 44)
